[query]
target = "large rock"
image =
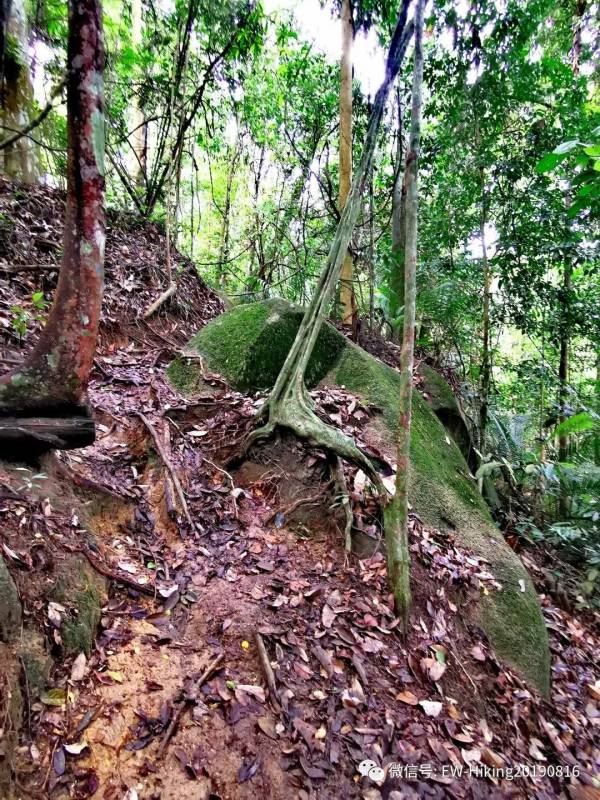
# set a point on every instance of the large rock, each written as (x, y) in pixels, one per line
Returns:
(248, 344)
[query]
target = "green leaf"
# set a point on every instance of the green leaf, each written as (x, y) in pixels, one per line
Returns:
(566, 147)
(54, 697)
(578, 423)
(548, 162)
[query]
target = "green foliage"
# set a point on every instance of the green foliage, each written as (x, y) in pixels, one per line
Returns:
(583, 172)
(21, 317)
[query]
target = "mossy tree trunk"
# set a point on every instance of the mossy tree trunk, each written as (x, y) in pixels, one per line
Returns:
(289, 404)
(55, 376)
(396, 512)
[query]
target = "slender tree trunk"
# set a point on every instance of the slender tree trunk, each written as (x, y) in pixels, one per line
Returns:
(565, 322)
(140, 133)
(398, 231)
(346, 289)
(371, 254)
(564, 358)
(224, 253)
(486, 367)
(289, 404)
(55, 376)
(396, 513)
(597, 393)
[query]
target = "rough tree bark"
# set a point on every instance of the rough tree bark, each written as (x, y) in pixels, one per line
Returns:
(396, 512)
(346, 288)
(289, 404)
(53, 380)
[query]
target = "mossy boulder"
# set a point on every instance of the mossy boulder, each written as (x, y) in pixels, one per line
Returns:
(83, 591)
(441, 399)
(248, 345)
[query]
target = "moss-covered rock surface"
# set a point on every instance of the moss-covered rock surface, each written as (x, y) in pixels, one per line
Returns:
(248, 345)
(83, 591)
(10, 606)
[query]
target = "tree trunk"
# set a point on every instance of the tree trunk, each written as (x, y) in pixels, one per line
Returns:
(396, 513)
(563, 365)
(371, 254)
(398, 233)
(139, 129)
(289, 405)
(597, 393)
(55, 376)
(224, 251)
(346, 290)
(20, 159)
(486, 366)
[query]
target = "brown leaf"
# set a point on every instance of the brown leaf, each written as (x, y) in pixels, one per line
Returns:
(407, 697)
(327, 616)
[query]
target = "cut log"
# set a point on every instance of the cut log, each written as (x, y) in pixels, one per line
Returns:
(40, 434)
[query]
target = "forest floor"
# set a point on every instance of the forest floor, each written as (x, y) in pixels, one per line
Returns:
(175, 700)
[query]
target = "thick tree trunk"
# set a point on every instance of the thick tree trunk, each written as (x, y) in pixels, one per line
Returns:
(398, 232)
(55, 376)
(20, 158)
(346, 289)
(396, 513)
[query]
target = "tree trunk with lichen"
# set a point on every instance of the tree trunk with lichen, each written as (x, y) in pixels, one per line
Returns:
(289, 404)
(347, 301)
(396, 512)
(53, 380)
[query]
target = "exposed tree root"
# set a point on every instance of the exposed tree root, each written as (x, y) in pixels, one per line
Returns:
(153, 307)
(342, 495)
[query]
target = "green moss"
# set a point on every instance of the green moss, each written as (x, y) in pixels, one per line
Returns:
(11, 711)
(10, 606)
(80, 588)
(439, 394)
(248, 346)
(37, 662)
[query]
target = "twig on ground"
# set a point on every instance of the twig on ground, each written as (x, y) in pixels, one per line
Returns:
(153, 307)
(168, 465)
(181, 706)
(337, 469)
(266, 665)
